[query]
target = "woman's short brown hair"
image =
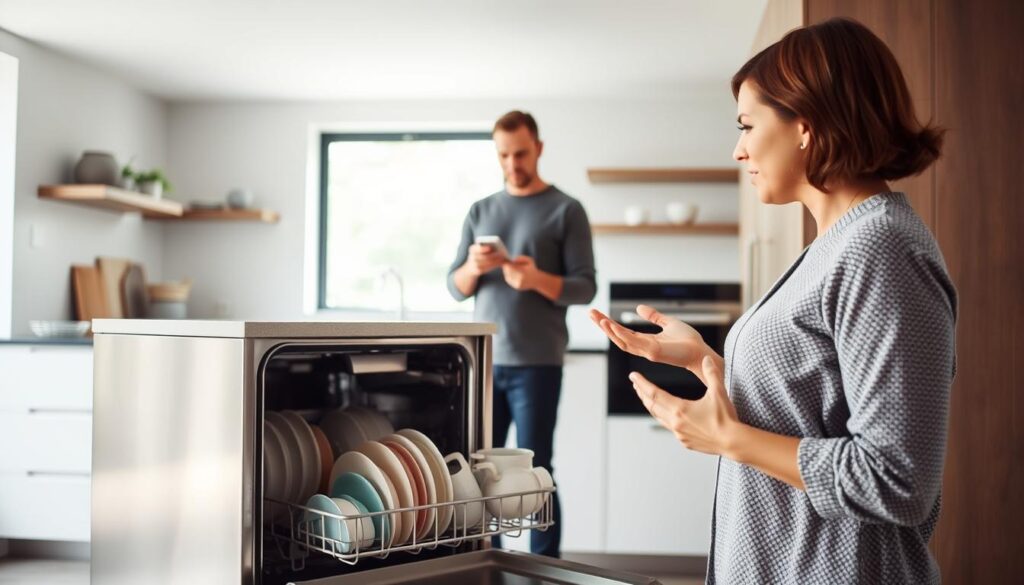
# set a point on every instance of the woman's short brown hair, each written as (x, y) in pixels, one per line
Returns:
(514, 120)
(844, 81)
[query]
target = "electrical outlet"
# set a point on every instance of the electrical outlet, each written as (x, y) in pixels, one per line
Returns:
(35, 236)
(221, 309)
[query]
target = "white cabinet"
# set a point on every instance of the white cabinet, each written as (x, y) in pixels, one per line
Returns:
(660, 494)
(46, 434)
(579, 459)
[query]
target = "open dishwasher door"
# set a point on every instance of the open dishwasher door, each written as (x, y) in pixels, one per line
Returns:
(488, 567)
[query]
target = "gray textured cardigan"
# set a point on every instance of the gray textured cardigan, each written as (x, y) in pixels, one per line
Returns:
(852, 350)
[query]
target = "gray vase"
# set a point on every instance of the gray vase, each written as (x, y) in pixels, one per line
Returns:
(97, 168)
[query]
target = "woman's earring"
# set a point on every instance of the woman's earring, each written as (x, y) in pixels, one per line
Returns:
(802, 146)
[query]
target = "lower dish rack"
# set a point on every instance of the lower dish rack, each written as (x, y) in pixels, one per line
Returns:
(299, 530)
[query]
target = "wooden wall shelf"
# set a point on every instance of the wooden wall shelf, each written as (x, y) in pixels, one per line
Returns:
(663, 175)
(112, 199)
(261, 215)
(120, 200)
(694, 229)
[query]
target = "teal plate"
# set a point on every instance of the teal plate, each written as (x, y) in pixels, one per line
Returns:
(360, 489)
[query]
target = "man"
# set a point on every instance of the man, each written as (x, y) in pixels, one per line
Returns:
(547, 234)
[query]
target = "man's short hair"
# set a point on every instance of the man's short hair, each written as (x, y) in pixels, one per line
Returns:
(514, 120)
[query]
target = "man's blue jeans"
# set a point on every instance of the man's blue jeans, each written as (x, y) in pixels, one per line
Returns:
(528, 396)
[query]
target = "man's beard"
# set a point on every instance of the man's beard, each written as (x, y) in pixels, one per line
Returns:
(520, 179)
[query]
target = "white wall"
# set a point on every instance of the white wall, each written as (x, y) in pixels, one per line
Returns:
(257, 271)
(8, 130)
(65, 107)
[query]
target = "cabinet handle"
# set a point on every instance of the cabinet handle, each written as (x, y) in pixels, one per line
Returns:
(751, 271)
(57, 473)
(59, 411)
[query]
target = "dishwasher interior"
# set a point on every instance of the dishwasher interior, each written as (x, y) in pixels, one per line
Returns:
(414, 385)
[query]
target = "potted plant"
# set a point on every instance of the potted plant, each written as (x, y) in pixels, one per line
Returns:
(153, 182)
(128, 177)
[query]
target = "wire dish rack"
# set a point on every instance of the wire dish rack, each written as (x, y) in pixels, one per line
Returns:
(299, 530)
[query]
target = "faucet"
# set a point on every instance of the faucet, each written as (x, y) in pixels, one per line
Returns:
(392, 271)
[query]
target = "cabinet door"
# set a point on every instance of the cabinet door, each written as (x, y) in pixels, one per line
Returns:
(579, 459)
(45, 378)
(660, 494)
(48, 442)
(44, 506)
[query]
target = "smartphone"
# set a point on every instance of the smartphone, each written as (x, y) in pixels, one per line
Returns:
(494, 242)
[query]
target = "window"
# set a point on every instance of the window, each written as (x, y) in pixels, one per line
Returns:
(397, 201)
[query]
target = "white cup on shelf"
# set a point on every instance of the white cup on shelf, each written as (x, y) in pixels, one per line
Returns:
(681, 213)
(635, 215)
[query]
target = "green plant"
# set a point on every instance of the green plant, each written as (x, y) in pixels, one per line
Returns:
(127, 172)
(153, 175)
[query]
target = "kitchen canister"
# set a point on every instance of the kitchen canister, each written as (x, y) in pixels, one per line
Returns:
(97, 168)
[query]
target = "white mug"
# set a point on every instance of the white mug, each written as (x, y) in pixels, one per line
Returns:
(681, 213)
(513, 480)
(465, 487)
(635, 215)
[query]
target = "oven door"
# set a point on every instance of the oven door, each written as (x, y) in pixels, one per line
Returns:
(622, 399)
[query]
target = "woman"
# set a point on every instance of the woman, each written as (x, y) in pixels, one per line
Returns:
(829, 408)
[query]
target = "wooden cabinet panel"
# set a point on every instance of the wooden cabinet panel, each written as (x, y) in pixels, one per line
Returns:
(979, 220)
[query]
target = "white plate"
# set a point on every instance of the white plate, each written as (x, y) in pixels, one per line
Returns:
(392, 467)
(428, 477)
(310, 454)
(356, 462)
(439, 469)
(292, 453)
(375, 425)
(342, 430)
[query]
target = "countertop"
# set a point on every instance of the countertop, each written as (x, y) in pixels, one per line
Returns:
(288, 329)
(47, 341)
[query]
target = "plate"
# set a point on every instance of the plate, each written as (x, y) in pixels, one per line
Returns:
(439, 470)
(428, 479)
(326, 458)
(374, 424)
(358, 487)
(292, 454)
(389, 463)
(274, 476)
(342, 431)
(324, 527)
(419, 487)
(356, 462)
(310, 453)
(357, 527)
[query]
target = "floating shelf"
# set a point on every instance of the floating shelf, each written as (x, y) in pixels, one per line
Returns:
(261, 215)
(120, 200)
(112, 199)
(693, 229)
(663, 175)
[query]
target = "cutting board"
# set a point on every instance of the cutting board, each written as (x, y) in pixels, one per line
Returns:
(90, 298)
(133, 293)
(112, 271)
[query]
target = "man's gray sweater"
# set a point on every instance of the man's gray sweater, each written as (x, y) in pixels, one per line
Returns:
(552, 228)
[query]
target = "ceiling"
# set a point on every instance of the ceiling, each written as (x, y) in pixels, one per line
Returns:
(185, 50)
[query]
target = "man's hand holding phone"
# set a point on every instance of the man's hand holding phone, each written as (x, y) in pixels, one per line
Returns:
(486, 254)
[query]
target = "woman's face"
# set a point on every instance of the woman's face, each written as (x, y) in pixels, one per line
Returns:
(770, 145)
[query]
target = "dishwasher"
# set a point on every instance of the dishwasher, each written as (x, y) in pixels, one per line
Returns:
(179, 416)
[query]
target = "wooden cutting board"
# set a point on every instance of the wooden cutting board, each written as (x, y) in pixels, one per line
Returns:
(133, 293)
(90, 298)
(112, 271)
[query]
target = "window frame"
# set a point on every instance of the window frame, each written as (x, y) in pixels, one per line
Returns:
(326, 139)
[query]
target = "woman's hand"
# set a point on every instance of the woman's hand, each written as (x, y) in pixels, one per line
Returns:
(677, 344)
(708, 425)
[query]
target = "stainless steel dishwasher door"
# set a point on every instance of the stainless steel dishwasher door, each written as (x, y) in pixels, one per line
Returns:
(489, 567)
(168, 454)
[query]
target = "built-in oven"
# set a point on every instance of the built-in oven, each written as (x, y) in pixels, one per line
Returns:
(710, 308)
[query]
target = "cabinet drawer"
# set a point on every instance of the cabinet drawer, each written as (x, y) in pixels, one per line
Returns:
(41, 441)
(44, 507)
(36, 376)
